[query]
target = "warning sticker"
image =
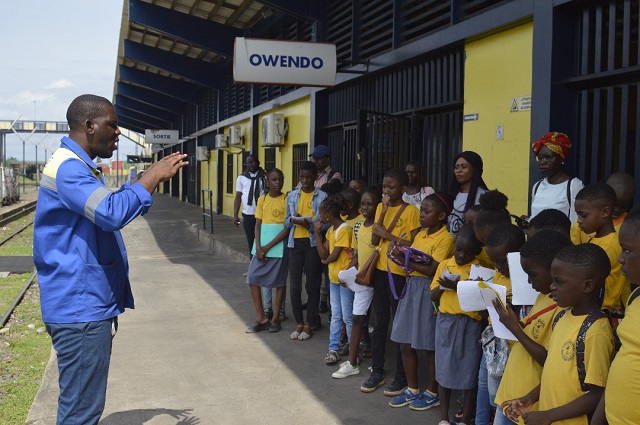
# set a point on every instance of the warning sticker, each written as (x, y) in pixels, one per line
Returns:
(519, 104)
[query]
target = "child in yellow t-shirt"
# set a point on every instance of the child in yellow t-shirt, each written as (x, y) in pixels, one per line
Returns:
(338, 252)
(407, 226)
(363, 295)
(623, 383)
(351, 214)
(594, 205)
(268, 269)
(503, 239)
(567, 396)
(458, 332)
(527, 356)
(414, 325)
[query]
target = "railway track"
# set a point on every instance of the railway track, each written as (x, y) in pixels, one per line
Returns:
(18, 299)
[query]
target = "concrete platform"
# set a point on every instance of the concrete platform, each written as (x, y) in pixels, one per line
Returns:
(17, 264)
(182, 357)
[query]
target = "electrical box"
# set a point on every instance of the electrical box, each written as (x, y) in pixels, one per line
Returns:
(202, 153)
(235, 136)
(274, 129)
(222, 141)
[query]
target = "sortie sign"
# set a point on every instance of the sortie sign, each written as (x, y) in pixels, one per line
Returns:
(161, 136)
(294, 63)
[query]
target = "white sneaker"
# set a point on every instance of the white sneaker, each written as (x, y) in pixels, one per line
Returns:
(346, 370)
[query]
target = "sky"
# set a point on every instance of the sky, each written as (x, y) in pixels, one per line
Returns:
(52, 52)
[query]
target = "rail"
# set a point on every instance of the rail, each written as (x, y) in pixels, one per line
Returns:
(206, 214)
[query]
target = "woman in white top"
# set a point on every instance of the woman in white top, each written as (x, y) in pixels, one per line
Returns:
(557, 189)
(466, 186)
(417, 189)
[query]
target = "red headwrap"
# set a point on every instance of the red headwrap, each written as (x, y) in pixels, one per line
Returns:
(557, 142)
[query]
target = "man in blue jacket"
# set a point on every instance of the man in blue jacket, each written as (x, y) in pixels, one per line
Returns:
(80, 255)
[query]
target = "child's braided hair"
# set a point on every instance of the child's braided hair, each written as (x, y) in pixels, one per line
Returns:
(334, 204)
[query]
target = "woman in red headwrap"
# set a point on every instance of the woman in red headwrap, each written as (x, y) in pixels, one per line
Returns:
(557, 189)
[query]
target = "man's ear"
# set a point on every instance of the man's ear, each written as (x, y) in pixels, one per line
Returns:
(89, 126)
(588, 286)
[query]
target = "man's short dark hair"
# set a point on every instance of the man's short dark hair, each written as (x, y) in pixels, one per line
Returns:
(543, 246)
(506, 234)
(398, 174)
(85, 107)
(551, 219)
(588, 257)
(309, 166)
(600, 193)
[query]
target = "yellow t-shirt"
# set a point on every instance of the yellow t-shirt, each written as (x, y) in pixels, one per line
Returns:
(578, 236)
(617, 285)
(438, 245)
(449, 300)
(341, 237)
(352, 222)
(271, 210)
(305, 208)
(484, 260)
(365, 248)
(623, 383)
(522, 372)
(560, 384)
(408, 221)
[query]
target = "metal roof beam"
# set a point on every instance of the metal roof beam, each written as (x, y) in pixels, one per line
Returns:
(131, 125)
(182, 90)
(144, 108)
(148, 96)
(308, 10)
(204, 73)
(154, 123)
(209, 35)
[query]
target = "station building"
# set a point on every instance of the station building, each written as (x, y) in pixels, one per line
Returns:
(417, 80)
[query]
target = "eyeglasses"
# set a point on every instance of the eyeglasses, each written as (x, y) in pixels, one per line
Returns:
(545, 158)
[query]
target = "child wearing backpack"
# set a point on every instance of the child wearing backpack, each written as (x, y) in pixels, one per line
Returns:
(527, 355)
(414, 326)
(623, 383)
(581, 346)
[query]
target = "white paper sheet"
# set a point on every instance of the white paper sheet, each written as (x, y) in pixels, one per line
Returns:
(451, 276)
(523, 293)
(482, 273)
(474, 298)
(349, 277)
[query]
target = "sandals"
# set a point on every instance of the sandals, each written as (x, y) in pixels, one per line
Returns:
(296, 334)
(257, 327)
(344, 351)
(331, 358)
(306, 332)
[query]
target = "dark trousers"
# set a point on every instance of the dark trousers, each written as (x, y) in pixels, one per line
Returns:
(304, 258)
(249, 224)
(385, 305)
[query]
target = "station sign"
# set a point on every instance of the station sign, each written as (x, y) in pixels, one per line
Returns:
(161, 136)
(292, 63)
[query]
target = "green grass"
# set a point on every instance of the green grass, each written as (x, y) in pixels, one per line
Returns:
(23, 358)
(21, 244)
(10, 287)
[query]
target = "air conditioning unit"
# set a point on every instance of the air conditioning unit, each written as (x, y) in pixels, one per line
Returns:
(235, 136)
(222, 141)
(274, 129)
(202, 153)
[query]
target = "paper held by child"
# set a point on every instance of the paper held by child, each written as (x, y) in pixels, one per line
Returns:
(523, 292)
(482, 273)
(349, 277)
(477, 296)
(448, 275)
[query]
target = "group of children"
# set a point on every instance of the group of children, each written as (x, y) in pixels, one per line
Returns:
(557, 370)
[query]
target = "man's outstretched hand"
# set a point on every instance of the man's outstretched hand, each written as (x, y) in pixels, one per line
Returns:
(162, 170)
